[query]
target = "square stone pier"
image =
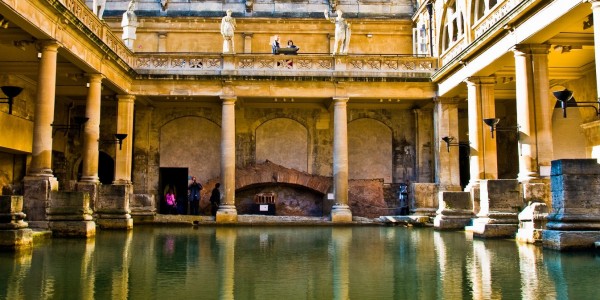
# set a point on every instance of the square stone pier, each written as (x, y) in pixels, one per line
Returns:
(574, 222)
(424, 200)
(112, 208)
(500, 203)
(70, 215)
(14, 234)
(455, 212)
(142, 208)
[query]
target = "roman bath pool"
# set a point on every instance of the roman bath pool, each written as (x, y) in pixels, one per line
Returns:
(295, 262)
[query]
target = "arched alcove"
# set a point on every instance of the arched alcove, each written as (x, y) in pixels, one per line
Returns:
(369, 150)
(284, 142)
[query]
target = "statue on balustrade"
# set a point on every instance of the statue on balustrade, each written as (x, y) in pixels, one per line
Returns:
(227, 30)
(342, 33)
(129, 25)
(98, 8)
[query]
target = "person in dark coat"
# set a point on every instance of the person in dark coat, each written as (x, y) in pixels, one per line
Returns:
(195, 189)
(215, 199)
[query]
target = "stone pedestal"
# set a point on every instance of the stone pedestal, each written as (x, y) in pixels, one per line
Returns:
(69, 215)
(92, 189)
(142, 207)
(37, 191)
(532, 221)
(537, 191)
(226, 214)
(424, 199)
(112, 208)
(500, 203)
(455, 212)
(574, 222)
(14, 234)
(341, 214)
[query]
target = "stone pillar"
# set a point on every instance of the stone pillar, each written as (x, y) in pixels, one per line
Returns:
(123, 153)
(423, 148)
(500, 204)
(69, 215)
(447, 162)
(112, 208)
(574, 222)
(340, 212)
(247, 42)
(481, 104)
(596, 12)
(162, 42)
(91, 130)
(455, 212)
(39, 181)
(14, 234)
(534, 111)
(227, 212)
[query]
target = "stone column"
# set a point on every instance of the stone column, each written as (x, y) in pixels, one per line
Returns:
(91, 130)
(533, 111)
(41, 156)
(596, 12)
(162, 42)
(481, 104)
(340, 212)
(124, 152)
(423, 142)
(227, 212)
(39, 181)
(247, 42)
(447, 162)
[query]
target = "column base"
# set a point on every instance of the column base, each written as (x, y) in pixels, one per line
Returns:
(528, 234)
(442, 222)
(37, 196)
(227, 214)
(16, 240)
(80, 229)
(341, 214)
(483, 229)
(115, 223)
(569, 240)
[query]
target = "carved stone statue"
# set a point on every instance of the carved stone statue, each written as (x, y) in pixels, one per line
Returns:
(227, 30)
(164, 4)
(342, 33)
(98, 8)
(129, 25)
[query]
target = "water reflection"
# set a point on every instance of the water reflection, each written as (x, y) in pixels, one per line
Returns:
(294, 263)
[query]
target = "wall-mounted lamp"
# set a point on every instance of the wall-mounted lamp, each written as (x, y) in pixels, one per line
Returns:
(493, 122)
(77, 125)
(11, 92)
(450, 142)
(119, 137)
(565, 96)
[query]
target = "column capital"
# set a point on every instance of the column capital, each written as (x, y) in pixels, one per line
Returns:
(340, 99)
(95, 77)
(525, 49)
(447, 100)
(595, 3)
(162, 35)
(228, 99)
(480, 80)
(247, 34)
(48, 45)
(126, 98)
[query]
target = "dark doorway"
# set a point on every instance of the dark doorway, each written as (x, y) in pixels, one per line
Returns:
(464, 159)
(106, 169)
(178, 179)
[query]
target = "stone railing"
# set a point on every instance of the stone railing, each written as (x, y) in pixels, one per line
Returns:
(284, 65)
(494, 16)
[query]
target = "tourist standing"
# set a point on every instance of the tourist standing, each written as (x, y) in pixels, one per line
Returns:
(215, 199)
(194, 189)
(171, 202)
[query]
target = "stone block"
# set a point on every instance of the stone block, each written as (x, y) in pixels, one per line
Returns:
(532, 221)
(78, 229)
(15, 240)
(114, 199)
(92, 189)
(341, 214)
(455, 211)
(575, 166)
(36, 195)
(69, 203)
(536, 192)
(142, 205)
(485, 228)
(226, 215)
(570, 240)
(116, 223)
(424, 200)
(500, 198)
(11, 204)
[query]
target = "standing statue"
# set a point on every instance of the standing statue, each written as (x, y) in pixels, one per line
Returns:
(227, 30)
(98, 8)
(129, 25)
(342, 33)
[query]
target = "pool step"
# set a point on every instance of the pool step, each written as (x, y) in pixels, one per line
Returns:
(597, 244)
(413, 219)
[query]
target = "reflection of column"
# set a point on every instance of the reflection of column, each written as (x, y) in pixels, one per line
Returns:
(41, 156)
(120, 284)
(533, 109)
(483, 162)
(227, 212)
(447, 162)
(21, 267)
(88, 270)
(451, 275)
(91, 130)
(481, 271)
(124, 152)
(340, 212)
(226, 240)
(342, 237)
(530, 257)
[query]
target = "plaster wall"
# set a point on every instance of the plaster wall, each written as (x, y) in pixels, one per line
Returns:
(284, 142)
(369, 150)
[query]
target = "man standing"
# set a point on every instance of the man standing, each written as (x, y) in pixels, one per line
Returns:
(194, 189)
(215, 199)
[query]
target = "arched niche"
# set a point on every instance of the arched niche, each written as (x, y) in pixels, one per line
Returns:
(369, 150)
(284, 142)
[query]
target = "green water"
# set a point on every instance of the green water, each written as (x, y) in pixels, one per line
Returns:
(295, 263)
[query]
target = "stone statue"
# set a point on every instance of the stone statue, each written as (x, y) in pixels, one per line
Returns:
(98, 8)
(342, 33)
(164, 4)
(227, 30)
(129, 25)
